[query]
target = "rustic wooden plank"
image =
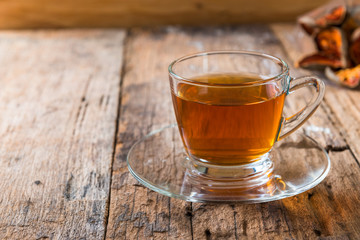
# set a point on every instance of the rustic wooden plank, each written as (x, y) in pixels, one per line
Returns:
(115, 13)
(135, 211)
(59, 98)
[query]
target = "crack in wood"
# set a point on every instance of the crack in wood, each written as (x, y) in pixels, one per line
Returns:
(353, 155)
(132, 211)
(101, 100)
(83, 114)
(208, 234)
(159, 220)
(282, 207)
(117, 121)
(169, 208)
(235, 225)
(337, 123)
(138, 216)
(83, 107)
(76, 120)
(139, 185)
(331, 148)
(68, 194)
(244, 228)
(42, 237)
(85, 189)
(26, 210)
(189, 213)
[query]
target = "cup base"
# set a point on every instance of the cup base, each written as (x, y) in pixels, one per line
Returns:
(295, 165)
(247, 179)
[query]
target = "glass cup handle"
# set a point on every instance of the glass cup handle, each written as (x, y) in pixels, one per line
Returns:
(290, 124)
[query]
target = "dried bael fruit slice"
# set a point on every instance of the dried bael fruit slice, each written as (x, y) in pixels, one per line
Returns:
(319, 61)
(335, 17)
(332, 42)
(332, 14)
(332, 47)
(348, 77)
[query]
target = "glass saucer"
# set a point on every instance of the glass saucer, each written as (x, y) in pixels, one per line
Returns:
(159, 162)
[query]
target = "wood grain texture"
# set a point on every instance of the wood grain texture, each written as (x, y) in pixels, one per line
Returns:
(58, 100)
(136, 212)
(122, 13)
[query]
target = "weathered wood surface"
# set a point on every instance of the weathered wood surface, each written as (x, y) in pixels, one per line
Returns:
(65, 94)
(22, 14)
(58, 100)
(329, 210)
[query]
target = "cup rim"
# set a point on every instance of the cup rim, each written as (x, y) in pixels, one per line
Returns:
(285, 67)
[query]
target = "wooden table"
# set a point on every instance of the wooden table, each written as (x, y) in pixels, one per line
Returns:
(74, 101)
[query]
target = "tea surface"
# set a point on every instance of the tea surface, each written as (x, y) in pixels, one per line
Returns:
(227, 125)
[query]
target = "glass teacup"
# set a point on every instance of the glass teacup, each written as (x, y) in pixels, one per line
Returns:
(229, 110)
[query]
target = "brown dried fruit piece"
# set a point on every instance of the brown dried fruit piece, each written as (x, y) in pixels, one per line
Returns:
(354, 50)
(319, 61)
(349, 77)
(335, 17)
(332, 47)
(329, 15)
(332, 42)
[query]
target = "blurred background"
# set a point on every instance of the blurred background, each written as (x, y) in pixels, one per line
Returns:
(24, 14)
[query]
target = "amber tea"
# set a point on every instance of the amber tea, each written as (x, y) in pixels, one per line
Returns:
(226, 125)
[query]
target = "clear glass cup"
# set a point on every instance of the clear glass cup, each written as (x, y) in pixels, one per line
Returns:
(229, 110)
